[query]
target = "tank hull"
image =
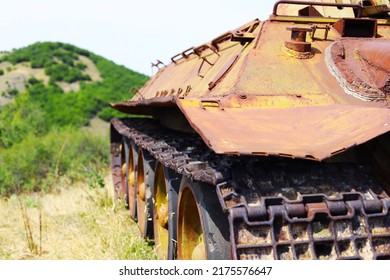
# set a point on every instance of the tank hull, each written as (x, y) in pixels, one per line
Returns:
(270, 141)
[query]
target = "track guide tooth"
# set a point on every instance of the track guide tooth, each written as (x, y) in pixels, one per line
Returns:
(284, 229)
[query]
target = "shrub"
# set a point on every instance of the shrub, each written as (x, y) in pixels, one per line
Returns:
(81, 66)
(19, 119)
(36, 163)
(12, 92)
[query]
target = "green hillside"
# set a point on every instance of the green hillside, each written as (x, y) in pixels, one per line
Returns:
(48, 91)
(62, 65)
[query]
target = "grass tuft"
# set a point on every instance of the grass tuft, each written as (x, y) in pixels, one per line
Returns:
(76, 223)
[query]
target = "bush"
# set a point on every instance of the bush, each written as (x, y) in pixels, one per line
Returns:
(81, 66)
(36, 163)
(65, 73)
(19, 119)
(12, 92)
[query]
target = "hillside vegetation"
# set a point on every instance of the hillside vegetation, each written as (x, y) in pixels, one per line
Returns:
(49, 91)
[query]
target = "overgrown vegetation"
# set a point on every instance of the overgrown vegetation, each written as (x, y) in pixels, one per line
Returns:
(40, 136)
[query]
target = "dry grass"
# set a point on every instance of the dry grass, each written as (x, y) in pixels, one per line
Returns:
(76, 223)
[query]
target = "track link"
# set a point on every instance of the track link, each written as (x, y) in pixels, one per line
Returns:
(277, 208)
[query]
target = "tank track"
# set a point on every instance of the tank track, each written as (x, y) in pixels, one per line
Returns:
(277, 208)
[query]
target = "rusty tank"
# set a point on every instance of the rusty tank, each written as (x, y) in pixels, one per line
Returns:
(271, 141)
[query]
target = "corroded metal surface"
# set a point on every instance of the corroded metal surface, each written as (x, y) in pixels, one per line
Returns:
(294, 89)
(301, 132)
(343, 217)
(279, 208)
(362, 67)
(262, 102)
(310, 132)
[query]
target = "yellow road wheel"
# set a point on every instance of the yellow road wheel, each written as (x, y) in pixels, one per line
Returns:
(116, 166)
(166, 188)
(144, 185)
(191, 236)
(203, 229)
(130, 176)
(122, 192)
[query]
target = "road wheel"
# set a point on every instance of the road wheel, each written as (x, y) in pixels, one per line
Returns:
(166, 189)
(131, 160)
(203, 229)
(122, 191)
(144, 183)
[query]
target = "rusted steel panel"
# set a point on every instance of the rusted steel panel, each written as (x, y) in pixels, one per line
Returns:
(283, 102)
(145, 106)
(315, 132)
(153, 102)
(362, 67)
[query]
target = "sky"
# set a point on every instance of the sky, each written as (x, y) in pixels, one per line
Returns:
(128, 32)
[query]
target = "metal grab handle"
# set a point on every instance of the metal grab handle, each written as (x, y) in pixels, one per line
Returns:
(310, 3)
(198, 50)
(184, 54)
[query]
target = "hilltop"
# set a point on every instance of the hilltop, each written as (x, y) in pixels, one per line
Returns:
(74, 80)
(49, 93)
